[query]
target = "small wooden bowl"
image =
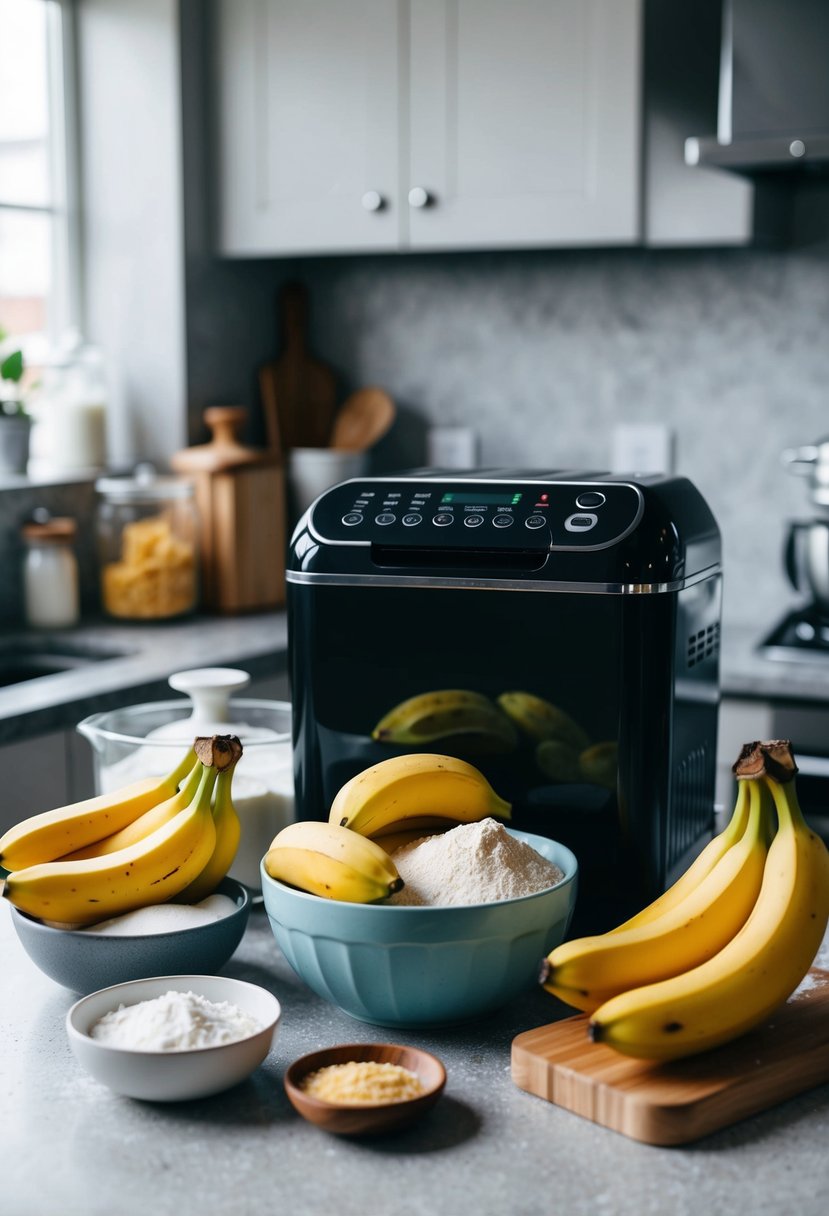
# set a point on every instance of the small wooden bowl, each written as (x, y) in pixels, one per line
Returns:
(366, 1120)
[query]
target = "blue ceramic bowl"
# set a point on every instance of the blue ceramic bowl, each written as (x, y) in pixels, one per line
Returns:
(85, 962)
(419, 967)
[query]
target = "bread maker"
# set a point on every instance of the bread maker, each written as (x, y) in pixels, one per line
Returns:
(593, 595)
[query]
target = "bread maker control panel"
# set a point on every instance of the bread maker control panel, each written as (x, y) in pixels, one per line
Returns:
(477, 515)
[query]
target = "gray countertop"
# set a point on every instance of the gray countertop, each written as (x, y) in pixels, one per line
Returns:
(70, 1147)
(147, 655)
(746, 672)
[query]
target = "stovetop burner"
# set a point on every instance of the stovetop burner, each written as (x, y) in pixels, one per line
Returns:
(802, 635)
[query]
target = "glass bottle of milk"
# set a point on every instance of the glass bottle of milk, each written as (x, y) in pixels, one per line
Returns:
(70, 411)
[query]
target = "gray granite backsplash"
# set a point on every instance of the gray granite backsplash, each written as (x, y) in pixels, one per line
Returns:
(543, 353)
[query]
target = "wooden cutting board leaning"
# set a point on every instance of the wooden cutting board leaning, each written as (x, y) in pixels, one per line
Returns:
(299, 393)
(676, 1103)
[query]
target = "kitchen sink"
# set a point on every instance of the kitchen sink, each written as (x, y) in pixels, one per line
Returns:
(25, 660)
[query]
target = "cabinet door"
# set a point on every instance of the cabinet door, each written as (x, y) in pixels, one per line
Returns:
(308, 125)
(525, 122)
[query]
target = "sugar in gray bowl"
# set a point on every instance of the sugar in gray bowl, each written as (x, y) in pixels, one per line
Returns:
(411, 967)
(85, 962)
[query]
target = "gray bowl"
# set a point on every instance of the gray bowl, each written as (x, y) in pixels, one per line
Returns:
(85, 962)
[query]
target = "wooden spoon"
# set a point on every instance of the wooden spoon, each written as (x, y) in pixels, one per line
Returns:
(362, 419)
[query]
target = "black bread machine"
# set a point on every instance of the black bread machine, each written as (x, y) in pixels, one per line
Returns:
(583, 609)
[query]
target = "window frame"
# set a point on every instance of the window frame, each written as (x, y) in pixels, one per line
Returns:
(65, 301)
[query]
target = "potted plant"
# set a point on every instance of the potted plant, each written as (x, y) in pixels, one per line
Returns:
(15, 422)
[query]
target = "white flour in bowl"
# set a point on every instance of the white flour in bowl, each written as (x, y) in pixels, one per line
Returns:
(477, 863)
(176, 1021)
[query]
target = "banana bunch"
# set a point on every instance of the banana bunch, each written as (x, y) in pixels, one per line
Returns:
(727, 944)
(392, 803)
(447, 713)
(177, 847)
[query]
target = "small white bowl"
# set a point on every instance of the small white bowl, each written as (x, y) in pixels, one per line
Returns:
(173, 1076)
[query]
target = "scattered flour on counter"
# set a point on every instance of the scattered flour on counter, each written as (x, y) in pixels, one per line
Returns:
(477, 863)
(165, 918)
(809, 982)
(176, 1021)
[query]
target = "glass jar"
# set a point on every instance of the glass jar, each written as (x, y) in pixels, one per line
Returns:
(147, 528)
(150, 739)
(50, 572)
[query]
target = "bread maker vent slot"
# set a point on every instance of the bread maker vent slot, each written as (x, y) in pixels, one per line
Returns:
(704, 644)
(690, 806)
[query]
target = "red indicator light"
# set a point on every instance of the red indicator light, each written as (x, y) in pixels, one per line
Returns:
(544, 498)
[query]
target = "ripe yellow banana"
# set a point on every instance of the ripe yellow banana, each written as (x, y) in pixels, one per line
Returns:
(585, 972)
(327, 860)
(218, 751)
(443, 713)
(150, 871)
(411, 786)
(541, 720)
(228, 832)
(53, 834)
(700, 867)
(757, 970)
(154, 818)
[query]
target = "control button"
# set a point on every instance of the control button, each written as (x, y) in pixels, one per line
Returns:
(443, 519)
(473, 521)
(352, 518)
(536, 521)
(502, 521)
(581, 523)
(385, 517)
(591, 498)
(411, 520)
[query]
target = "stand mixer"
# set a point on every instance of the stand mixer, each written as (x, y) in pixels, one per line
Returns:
(805, 631)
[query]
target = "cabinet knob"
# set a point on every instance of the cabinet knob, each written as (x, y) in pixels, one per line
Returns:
(418, 197)
(373, 200)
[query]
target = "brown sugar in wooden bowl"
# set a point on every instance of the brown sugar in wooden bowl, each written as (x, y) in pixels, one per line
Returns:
(365, 1119)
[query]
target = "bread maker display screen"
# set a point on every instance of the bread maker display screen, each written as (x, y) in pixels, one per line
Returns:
(483, 500)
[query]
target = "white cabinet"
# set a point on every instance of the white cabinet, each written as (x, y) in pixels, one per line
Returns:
(308, 97)
(427, 124)
(524, 122)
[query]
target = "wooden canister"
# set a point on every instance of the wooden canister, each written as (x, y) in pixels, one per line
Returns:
(240, 494)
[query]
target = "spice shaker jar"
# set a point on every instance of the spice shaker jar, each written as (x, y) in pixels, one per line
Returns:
(147, 528)
(50, 572)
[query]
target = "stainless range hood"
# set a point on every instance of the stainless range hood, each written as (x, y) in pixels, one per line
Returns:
(774, 90)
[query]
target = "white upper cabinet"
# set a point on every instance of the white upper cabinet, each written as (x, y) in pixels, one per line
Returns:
(524, 122)
(427, 124)
(308, 118)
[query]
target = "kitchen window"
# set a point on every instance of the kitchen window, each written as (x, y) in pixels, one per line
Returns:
(39, 242)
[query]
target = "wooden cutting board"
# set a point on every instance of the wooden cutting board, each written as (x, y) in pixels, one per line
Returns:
(299, 393)
(676, 1103)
